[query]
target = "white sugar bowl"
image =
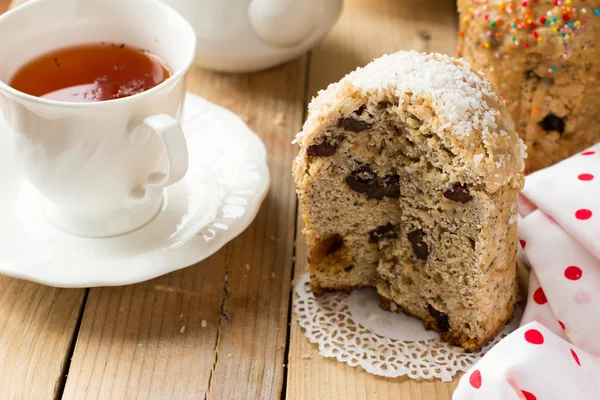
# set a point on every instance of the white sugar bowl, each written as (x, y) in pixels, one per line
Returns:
(249, 35)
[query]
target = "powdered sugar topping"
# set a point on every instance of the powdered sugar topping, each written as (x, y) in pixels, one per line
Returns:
(459, 95)
(477, 160)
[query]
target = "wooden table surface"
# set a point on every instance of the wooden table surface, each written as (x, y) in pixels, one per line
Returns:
(219, 329)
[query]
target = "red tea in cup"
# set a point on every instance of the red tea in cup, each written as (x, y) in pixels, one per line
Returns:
(91, 72)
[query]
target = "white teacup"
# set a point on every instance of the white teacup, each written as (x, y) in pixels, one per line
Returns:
(101, 167)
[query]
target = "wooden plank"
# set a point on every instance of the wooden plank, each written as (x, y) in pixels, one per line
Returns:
(37, 327)
(254, 328)
(369, 29)
(132, 342)
(149, 340)
(366, 30)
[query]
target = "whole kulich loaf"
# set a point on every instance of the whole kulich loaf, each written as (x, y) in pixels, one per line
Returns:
(544, 56)
(408, 174)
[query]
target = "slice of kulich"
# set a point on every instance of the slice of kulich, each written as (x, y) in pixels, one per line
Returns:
(544, 57)
(408, 175)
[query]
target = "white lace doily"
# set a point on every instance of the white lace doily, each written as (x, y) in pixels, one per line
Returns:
(355, 330)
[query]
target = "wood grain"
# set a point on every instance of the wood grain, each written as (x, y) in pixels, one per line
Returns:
(366, 30)
(149, 340)
(133, 342)
(37, 327)
(254, 312)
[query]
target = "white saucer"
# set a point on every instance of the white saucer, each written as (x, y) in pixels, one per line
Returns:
(219, 197)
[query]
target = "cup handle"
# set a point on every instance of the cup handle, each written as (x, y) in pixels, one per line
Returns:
(173, 140)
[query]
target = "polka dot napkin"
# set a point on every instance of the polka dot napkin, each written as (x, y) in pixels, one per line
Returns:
(556, 352)
(532, 363)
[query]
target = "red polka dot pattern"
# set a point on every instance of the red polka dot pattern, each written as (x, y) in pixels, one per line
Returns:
(539, 296)
(528, 395)
(475, 379)
(565, 224)
(583, 214)
(573, 273)
(575, 357)
(534, 336)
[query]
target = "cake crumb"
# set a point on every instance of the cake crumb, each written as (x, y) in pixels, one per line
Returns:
(306, 357)
(372, 316)
(279, 119)
(477, 159)
(229, 355)
(247, 267)
(203, 323)
(182, 329)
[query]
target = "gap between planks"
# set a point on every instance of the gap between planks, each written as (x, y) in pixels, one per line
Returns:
(65, 370)
(296, 212)
(222, 314)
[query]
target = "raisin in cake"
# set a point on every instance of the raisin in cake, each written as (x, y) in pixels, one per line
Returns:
(544, 57)
(408, 174)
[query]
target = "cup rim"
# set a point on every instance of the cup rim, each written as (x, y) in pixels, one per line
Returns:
(107, 103)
